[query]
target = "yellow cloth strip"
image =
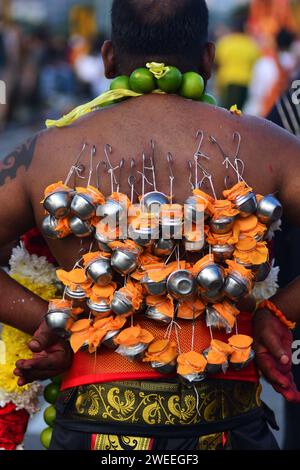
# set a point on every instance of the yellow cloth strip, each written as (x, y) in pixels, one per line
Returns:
(103, 100)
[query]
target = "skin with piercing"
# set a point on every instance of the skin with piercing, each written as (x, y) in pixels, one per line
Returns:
(269, 162)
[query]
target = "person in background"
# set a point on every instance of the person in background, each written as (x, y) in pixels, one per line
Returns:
(236, 55)
(286, 114)
(271, 74)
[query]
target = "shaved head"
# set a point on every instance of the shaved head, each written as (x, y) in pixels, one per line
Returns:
(170, 31)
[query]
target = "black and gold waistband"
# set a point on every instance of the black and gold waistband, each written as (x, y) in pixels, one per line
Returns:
(150, 405)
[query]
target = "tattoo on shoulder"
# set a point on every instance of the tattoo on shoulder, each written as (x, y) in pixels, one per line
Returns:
(21, 156)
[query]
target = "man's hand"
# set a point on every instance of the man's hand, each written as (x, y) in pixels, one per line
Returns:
(273, 348)
(52, 356)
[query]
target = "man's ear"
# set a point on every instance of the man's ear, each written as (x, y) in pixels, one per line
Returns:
(208, 60)
(109, 60)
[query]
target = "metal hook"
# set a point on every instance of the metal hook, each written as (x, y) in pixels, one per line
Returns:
(93, 153)
(132, 179)
(75, 167)
(111, 170)
(97, 175)
(171, 174)
(190, 164)
(120, 167)
(143, 174)
(152, 160)
(237, 136)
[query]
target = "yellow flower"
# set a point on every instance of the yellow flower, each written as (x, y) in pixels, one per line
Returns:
(158, 70)
(235, 110)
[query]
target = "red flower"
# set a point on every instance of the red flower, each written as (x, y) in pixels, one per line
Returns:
(13, 425)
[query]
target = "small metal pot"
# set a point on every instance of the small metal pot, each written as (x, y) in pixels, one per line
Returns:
(58, 203)
(163, 368)
(120, 305)
(83, 207)
(194, 210)
(269, 210)
(112, 210)
(99, 309)
(242, 365)
(181, 284)
(57, 322)
(222, 225)
(222, 252)
(143, 236)
(212, 297)
(235, 287)
(193, 247)
(211, 278)
(153, 201)
(262, 272)
(163, 247)
(80, 228)
(78, 294)
(246, 204)
(153, 313)
(133, 353)
(49, 225)
(108, 340)
(213, 368)
(154, 288)
(124, 261)
(100, 272)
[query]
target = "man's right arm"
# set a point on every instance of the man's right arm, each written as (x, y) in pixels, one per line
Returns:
(18, 307)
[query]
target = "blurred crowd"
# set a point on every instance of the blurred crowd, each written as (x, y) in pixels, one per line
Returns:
(258, 55)
(47, 74)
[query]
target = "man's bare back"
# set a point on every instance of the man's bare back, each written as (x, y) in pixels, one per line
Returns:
(173, 124)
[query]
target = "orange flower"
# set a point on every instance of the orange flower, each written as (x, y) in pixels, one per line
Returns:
(238, 190)
(218, 352)
(248, 251)
(191, 363)
(93, 256)
(223, 208)
(98, 293)
(249, 227)
(190, 310)
(121, 199)
(227, 311)
(229, 238)
(164, 305)
(133, 291)
(241, 345)
(133, 336)
(81, 333)
(205, 199)
(74, 278)
(93, 193)
(56, 187)
(245, 273)
(60, 304)
(63, 228)
(163, 351)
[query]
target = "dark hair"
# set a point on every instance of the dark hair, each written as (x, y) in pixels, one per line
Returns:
(164, 30)
(285, 39)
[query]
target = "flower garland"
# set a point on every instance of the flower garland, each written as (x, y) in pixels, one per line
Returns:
(38, 275)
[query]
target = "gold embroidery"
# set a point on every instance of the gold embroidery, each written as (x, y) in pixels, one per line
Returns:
(110, 442)
(171, 404)
(212, 442)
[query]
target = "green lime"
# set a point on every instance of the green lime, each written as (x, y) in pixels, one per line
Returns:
(50, 415)
(120, 83)
(46, 437)
(209, 99)
(171, 81)
(51, 393)
(57, 380)
(142, 81)
(192, 86)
